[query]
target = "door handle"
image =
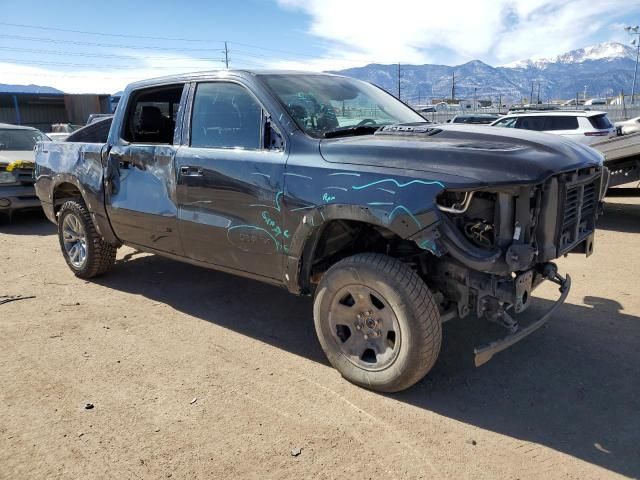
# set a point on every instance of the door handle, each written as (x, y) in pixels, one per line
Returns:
(188, 171)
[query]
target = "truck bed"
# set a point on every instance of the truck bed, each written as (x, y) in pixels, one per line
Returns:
(78, 163)
(622, 158)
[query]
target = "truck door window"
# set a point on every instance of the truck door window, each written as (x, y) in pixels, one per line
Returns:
(225, 115)
(151, 116)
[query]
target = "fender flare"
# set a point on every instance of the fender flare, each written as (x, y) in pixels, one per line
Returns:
(308, 233)
(94, 202)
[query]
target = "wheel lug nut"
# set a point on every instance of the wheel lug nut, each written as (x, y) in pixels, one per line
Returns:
(378, 333)
(366, 337)
(358, 327)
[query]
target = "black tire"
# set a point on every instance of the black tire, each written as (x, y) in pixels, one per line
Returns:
(395, 361)
(98, 254)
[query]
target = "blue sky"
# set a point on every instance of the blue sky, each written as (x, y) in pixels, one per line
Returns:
(306, 34)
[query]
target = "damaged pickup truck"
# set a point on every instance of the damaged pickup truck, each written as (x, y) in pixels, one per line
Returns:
(331, 187)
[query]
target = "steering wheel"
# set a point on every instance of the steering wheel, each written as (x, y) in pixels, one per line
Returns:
(366, 121)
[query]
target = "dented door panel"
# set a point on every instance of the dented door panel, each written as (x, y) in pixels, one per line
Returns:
(141, 196)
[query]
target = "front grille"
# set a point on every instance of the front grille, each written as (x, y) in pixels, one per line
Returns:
(23, 175)
(579, 190)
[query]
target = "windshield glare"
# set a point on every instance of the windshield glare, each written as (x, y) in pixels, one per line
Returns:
(20, 140)
(323, 103)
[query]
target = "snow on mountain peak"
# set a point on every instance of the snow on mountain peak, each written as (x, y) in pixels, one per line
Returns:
(601, 51)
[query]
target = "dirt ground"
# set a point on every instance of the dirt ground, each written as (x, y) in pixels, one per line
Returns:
(199, 374)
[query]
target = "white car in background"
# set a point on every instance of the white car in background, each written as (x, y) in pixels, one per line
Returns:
(16, 167)
(581, 126)
(629, 126)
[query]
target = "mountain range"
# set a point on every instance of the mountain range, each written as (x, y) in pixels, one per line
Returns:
(605, 69)
(4, 88)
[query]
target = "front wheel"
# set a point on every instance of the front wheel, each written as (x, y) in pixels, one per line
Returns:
(84, 250)
(377, 322)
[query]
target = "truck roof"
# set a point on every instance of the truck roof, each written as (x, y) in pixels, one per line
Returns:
(555, 113)
(220, 73)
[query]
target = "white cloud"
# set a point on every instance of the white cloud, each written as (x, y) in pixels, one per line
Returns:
(358, 32)
(419, 31)
(100, 80)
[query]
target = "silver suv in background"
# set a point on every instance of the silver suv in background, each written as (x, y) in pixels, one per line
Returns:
(582, 126)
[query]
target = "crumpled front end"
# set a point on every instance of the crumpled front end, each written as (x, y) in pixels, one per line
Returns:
(493, 246)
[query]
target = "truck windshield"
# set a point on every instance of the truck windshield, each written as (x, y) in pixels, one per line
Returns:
(20, 140)
(324, 104)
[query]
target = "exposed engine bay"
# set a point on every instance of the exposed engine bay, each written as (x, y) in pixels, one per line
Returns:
(493, 247)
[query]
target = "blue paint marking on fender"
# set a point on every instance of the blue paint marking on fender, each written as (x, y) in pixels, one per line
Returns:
(375, 204)
(406, 210)
(328, 198)
(345, 173)
(302, 208)
(398, 184)
(427, 245)
(298, 175)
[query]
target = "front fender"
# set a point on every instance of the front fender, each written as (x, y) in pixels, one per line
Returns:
(401, 221)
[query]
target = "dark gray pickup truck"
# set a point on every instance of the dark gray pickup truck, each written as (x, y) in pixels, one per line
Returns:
(331, 187)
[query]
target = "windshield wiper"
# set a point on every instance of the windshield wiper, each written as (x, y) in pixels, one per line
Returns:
(354, 130)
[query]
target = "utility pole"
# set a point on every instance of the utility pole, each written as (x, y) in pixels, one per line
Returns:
(634, 31)
(531, 96)
(226, 55)
(538, 101)
(475, 98)
(453, 87)
(399, 82)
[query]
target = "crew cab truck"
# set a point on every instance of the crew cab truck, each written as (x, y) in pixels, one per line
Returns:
(329, 186)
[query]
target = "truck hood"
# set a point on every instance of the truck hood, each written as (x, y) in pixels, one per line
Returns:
(8, 156)
(481, 154)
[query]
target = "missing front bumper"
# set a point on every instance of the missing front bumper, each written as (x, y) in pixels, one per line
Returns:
(484, 353)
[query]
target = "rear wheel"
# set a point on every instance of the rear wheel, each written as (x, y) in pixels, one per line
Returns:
(377, 322)
(84, 250)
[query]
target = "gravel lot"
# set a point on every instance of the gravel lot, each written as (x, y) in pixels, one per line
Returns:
(199, 374)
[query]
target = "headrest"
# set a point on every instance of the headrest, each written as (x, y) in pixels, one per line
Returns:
(151, 119)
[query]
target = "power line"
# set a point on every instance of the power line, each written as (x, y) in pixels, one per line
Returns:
(88, 65)
(104, 34)
(109, 45)
(178, 39)
(109, 55)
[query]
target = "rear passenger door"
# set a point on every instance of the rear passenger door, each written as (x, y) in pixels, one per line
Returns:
(140, 177)
(229, 188)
